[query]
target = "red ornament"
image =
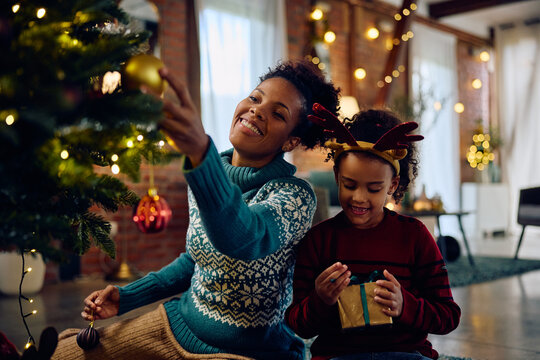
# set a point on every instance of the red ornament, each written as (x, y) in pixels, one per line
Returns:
(152, 214)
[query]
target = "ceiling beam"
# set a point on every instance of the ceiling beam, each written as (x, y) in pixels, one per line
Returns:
(454, 7)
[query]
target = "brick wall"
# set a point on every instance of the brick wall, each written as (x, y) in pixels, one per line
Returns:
(151, 252)
(476, 102)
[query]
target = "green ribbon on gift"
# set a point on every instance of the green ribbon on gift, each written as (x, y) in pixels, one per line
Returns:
(364, 303)
(374, 276)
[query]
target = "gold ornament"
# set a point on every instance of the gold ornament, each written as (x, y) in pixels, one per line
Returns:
(172, 144)
(143, 69)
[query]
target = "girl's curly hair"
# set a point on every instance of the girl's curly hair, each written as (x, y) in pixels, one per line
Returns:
(310, 82)
(370, 126)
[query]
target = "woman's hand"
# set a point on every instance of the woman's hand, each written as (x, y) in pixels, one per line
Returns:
(182, 122)
(331, 282)
(102, 304)
(389, 294)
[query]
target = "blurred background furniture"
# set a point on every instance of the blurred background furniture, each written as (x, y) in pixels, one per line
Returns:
(325, 179)
(528, 211)
(437, 214)
(488, 204)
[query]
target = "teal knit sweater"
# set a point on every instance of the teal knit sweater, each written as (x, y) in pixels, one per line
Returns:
(236, 273)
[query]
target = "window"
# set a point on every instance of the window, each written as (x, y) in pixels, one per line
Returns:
(239, 40)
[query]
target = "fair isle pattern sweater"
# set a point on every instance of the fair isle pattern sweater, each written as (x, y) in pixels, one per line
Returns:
(236, 273)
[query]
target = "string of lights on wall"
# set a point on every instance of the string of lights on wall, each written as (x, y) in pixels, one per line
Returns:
(318, 18)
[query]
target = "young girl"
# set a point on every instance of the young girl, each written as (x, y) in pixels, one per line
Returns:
(365, 237)
(247, 214)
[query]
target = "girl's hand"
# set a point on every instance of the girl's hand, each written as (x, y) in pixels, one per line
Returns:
(102, 304)
(331, 282)
(182, 122)
(389, 295)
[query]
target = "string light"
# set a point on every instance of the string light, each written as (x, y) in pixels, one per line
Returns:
(459, 107)
(15, 8)
(30, 341)
(111, 80)
(140, 137)
(484, 56)
(395, 73)
(406, 12)
(315, 60)
(321, 66)
(372, 33)
(34, 312)
(360, 73)
(329, 37)
(41, 13)
(414, 6)
(476, 84)
(114, 157)
(388, 79)
(317, 14)
(64, 154)
(380, 83)
(479, 155)
(115, 169)
(161, 143)
(401, 68)
(129, 143)
(10, 119)
(397, 17)
(27, 299)
(437, 105)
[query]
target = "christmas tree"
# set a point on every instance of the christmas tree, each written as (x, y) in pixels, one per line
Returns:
(64, 118)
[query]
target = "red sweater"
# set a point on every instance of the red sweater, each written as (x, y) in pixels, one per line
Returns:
(404, 247)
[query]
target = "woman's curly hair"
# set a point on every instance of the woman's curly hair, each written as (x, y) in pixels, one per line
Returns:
(370, 126)
(310, 82)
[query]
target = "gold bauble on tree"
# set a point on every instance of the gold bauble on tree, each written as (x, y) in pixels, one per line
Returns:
(142, 69)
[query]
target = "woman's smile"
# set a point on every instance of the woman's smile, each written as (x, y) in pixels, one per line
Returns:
(250, 128)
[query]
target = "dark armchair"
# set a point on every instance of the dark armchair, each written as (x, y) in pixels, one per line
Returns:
(528, 211)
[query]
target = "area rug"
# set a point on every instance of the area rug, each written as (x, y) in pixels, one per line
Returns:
(461, 273)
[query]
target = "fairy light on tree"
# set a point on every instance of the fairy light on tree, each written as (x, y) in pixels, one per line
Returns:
(64, 111)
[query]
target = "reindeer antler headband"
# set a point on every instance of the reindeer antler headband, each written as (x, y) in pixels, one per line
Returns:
(392, 146)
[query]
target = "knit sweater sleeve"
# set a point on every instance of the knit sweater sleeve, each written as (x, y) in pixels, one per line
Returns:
(243, 231)
(431, 308)
(308, 315)
(172, 279)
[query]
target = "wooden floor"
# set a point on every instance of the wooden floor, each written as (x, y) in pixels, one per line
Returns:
(500, 319)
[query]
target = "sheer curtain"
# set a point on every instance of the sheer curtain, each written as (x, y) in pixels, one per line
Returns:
(239, 40)
(518, 70)
(434, 79)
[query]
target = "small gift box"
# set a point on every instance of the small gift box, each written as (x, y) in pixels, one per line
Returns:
(357, 309)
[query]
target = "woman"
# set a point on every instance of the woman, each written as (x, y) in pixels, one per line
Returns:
(247, 214)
